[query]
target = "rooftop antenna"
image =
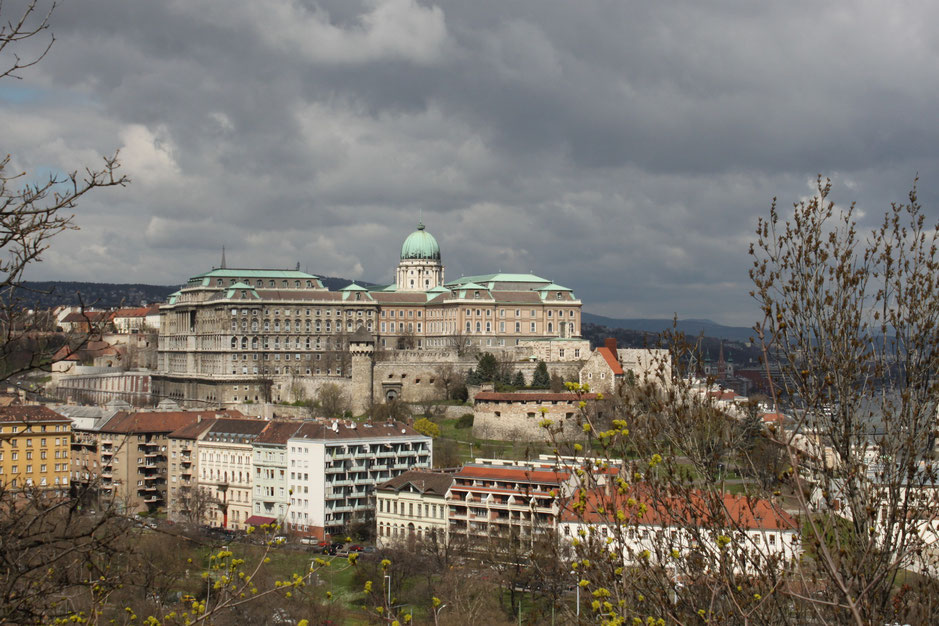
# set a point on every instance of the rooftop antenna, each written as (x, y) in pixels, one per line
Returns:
(298, 266)
(224, 265)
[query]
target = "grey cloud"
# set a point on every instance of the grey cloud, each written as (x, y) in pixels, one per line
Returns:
(622, 149)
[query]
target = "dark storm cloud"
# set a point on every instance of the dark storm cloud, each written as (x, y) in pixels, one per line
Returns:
(622, 149)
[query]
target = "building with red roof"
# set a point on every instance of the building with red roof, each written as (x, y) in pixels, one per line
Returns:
(609, 366)
(645, 523)
(520, 415)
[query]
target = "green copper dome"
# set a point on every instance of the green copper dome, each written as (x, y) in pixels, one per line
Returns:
(420, 245)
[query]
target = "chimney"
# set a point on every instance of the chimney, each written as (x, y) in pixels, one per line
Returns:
(610, 344)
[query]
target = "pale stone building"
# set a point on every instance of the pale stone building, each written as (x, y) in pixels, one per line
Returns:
(608, 367)
(412, 507)
(231, 336)
(225, 471)
(518, 416)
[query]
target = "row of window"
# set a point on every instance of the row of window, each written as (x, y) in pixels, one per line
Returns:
(429, 510)
(316, 312)
(15, 455)
(42, 429)
(43, 468)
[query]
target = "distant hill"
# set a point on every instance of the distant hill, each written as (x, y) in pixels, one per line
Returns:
(691, 327)
(48, 294)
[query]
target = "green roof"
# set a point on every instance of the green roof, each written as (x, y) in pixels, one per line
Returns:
(353, 287)
(420, 245)
(246, 273)
(553, 287)
(499, 278)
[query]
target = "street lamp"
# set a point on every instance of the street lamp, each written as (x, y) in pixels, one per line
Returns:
(577, 588)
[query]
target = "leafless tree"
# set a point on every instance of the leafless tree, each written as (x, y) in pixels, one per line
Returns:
(332, 401)
(32, 213)
(851, 319)
(448, 379)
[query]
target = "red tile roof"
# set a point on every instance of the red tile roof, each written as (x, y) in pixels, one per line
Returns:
(22, 413)
(278, 432)
(611, 360)
(692, 509)
(88, 316)
(193, 430)
(492, 396)
(513, 474)
(159, 421)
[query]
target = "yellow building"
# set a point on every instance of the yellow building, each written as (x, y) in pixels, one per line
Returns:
(34, 448)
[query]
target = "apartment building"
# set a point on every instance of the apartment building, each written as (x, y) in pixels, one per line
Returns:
(133, 456)
(334, 466)
(225, 471)
(185, 501)
(412, 507)
(271, 495)
(35, 449)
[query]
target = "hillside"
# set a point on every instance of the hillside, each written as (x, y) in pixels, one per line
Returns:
(691, 327)
(48, 294)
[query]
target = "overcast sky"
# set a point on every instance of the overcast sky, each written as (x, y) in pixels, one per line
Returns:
(623, 149)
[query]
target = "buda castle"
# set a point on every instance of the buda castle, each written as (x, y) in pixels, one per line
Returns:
(234, 336)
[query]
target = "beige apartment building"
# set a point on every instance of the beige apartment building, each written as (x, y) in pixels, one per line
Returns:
(225, 471)
(133, 450)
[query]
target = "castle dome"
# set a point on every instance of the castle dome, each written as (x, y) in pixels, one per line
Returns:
(420, 245)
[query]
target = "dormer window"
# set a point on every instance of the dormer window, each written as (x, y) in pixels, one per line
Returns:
(559, 295)
(476, 294)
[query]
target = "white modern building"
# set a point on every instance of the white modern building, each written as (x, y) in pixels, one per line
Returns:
(335, 465)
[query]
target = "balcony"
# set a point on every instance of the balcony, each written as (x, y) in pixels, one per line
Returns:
(152, 499)
(335, 470)
(340, 483)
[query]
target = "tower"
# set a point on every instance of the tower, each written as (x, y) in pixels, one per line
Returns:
(420, 268)
(362, 348)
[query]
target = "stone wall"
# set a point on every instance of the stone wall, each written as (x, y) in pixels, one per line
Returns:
(519, 419)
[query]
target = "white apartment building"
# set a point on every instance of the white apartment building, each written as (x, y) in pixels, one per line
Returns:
(757, 531)
(335, 465)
